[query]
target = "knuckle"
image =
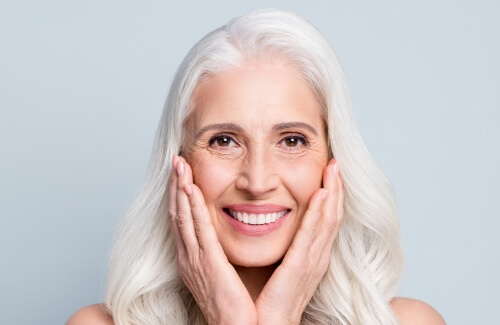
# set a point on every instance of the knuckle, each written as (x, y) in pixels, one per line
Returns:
(182, 218)
(199, 228)
(331, 223)
(193, 259)
(172, 214)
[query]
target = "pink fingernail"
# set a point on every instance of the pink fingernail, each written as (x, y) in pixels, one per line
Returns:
(180, 168)
(188, 189)
(324, 194)
(175, 159)
(336, 169)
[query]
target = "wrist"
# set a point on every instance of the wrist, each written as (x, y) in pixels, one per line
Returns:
(275, 316)
(231, 315)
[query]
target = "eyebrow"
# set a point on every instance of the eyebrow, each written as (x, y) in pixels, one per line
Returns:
(236, 128)
(290, 125)
(220, 126)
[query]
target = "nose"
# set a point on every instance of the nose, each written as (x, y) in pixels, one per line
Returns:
(258, 175)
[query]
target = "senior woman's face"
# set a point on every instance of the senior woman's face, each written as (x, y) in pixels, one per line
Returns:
(257, 147)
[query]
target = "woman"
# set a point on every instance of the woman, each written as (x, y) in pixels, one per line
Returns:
(277, 213)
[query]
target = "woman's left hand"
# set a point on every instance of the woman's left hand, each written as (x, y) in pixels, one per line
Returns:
(293, 283)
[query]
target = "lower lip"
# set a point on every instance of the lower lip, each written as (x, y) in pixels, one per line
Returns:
(255, 230)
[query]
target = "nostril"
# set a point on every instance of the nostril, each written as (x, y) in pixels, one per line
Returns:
(257, 184)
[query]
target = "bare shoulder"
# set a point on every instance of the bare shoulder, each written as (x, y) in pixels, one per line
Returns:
(91, 315)
(415, 312)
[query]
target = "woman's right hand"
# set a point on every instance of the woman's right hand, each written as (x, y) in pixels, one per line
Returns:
(203, 265)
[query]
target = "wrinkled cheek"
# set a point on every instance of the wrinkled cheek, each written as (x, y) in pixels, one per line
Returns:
(209, 178)
(212, 179)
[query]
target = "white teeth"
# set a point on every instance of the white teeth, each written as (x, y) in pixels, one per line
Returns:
(257, 219)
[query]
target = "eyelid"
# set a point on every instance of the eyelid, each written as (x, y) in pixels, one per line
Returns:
(295, 135)
(300, 137)
(221, 135)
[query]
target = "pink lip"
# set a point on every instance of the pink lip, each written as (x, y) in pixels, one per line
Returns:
(255, 230)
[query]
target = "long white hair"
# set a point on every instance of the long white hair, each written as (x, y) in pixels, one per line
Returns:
(144, 286)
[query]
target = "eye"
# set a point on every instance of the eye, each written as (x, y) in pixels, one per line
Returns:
(222, 141)
(293, 141)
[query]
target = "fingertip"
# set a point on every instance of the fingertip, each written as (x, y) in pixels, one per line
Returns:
(197, 194)
(319, 196)
(180, 168)
(175, 159)
(329, 175)
(187, 188)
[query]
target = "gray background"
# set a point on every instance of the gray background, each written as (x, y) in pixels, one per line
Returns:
(82, 87)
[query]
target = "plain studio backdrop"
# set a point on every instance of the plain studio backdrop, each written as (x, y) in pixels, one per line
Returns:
(82, 85)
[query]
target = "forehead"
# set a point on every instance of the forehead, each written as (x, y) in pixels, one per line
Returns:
(255, 93)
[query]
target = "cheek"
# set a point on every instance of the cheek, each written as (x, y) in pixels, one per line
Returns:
(211, 177)
(302, 179)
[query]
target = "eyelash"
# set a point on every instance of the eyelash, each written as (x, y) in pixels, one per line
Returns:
(296, 137)
(216, 137)
(299, 140)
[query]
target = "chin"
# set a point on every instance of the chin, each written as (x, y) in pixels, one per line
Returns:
(255, 258)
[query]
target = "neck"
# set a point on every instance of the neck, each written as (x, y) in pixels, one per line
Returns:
(255, 278)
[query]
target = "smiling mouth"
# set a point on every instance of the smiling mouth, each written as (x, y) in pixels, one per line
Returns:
(256, 218)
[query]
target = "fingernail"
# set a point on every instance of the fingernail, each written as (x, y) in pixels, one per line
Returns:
(175, 159)
(188, 189)
(324, 194)
(336, 169)
(180, 168)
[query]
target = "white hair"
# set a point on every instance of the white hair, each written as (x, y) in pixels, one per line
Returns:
(144, 286)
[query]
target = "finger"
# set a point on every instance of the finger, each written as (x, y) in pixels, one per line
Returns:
(172, 208)
(314, 212)
(183, 216)
(317, 230)
(203, 226)
(340, 203)
(309, 227)
(331, 183)
(332, 217)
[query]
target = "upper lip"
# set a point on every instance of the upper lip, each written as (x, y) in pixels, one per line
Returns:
(256, 208)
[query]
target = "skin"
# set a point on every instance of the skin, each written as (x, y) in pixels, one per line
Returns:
(408, 312)
(267, 148)
(254, 158)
